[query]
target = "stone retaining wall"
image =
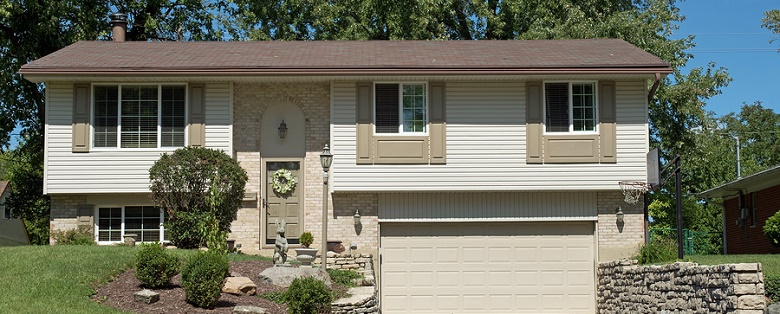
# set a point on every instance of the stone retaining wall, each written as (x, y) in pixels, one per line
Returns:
(363, 299)
(625, 287)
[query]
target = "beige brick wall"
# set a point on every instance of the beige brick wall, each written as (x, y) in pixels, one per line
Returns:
(618, 240)
(64, 212)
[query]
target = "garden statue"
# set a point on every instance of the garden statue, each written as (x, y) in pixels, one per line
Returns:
(280, 248)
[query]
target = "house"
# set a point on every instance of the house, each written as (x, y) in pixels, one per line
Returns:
(485, 173)
(12, 230)
(747, 203)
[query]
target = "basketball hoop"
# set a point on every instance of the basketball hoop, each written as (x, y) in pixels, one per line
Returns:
(633, 190)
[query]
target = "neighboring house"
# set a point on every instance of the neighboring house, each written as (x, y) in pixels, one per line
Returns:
(12, 230)
(747, 203)
(485, 172)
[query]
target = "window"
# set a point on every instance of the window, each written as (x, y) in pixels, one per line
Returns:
(139, 116)
(401, 108)
(146, 222)
(570, 107)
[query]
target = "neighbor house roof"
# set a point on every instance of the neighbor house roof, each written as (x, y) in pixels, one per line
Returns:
(4, 185)
(752, 183)
(348, 58)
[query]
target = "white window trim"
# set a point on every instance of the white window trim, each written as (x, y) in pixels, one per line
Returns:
(96, 214)
(159, 148)
(401, 108)
(571, 113)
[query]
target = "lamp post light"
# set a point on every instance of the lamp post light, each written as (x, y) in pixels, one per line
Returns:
(326, 159)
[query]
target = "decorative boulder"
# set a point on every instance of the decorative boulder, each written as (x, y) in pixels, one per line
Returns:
(245, 309)
(284, 276)
(146, 296)
(239, 286)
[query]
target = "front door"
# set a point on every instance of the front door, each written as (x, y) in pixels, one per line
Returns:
(285, 206)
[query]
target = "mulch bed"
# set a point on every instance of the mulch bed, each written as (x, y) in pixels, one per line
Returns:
(119, 294)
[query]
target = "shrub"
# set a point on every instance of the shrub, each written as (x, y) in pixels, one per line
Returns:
(343, 277)
(772, 228)
(306, 239)
(772, 287)
(154, 266)
(661, 250)
(182, 182)
(79, 236)
(202, 278)
(307, 296)
(274, 296)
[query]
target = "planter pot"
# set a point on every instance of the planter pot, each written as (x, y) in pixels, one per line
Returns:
(306, 255)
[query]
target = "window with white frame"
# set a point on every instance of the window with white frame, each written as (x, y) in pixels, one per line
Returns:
(570, 107)
(145, 222)
(139, 116)
(400, 108)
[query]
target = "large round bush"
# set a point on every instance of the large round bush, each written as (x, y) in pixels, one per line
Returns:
(181, 183)
(202, 278)
(772, 228)
(307, 296)
(155, 267)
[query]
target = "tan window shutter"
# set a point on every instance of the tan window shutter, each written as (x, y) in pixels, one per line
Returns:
(81, 118)
(533, 117)
(197, 116)
(607, 122)
(364, 123)
(438, 125)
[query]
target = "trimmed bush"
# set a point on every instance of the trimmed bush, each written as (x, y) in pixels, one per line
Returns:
(79, 236)
(307, 296)
(155, 267)
(772, 228)
(661, 250)
(202, 278)
(306, 239)
(772, 288)
(183, 182)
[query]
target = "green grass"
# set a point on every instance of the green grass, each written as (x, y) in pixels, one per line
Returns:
(61, 278)
(770, 263)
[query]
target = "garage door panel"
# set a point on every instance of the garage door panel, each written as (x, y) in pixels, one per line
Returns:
(487, 267)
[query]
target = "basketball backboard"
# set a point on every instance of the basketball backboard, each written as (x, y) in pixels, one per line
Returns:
(653, 168)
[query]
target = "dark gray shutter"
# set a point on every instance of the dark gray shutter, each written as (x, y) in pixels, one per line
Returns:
(81, 123)
(364, 123)
(197, 116)
(533, 133)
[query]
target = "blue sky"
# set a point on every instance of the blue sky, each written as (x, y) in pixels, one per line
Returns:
(729, 33)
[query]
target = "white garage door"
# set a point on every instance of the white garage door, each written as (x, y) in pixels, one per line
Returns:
(487, 267)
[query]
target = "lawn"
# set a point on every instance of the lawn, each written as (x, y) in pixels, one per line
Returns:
(60, 278)
(770, 263)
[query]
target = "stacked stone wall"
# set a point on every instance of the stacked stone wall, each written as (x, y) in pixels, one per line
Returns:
(363, 298)
(625, 287)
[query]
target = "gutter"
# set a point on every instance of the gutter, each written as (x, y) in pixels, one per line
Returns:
(657, 82)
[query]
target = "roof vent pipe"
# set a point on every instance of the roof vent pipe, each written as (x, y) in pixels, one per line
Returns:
(118, 26)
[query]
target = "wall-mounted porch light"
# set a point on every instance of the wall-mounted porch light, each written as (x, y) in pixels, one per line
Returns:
(356, 217)
(620, 215)
(282, 130)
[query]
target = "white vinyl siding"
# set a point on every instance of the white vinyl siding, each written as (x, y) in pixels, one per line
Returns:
(490, 206)
(486, 145)
(115, 171)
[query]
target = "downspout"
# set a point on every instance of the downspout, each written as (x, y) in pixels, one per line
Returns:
(656, 82)
(723, 232)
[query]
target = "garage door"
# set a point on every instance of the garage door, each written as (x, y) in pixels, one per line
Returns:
(487, 267)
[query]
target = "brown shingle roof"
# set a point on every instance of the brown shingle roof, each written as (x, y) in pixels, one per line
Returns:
(348, 57)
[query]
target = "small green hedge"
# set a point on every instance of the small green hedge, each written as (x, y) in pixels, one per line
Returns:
(202, 278)
(307, 296)
(78, 236)
(155, 267)
(772, 287)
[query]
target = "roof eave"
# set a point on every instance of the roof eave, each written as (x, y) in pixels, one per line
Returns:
(749, 184)
(32, 73)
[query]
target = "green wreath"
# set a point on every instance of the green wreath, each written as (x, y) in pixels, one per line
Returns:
(283, 181)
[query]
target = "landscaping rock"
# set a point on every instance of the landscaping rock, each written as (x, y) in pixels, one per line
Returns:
(239, 286)
(146, 296)
(244, 309)
(774, 308)
(284, 276)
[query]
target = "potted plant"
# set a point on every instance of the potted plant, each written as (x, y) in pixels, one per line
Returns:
(305, 254)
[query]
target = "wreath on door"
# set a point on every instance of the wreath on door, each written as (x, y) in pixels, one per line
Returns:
(283, 181)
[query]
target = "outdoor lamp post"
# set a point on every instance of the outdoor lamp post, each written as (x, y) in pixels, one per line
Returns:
(326, 159)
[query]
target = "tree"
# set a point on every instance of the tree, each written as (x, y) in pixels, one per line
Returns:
(195, 186)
